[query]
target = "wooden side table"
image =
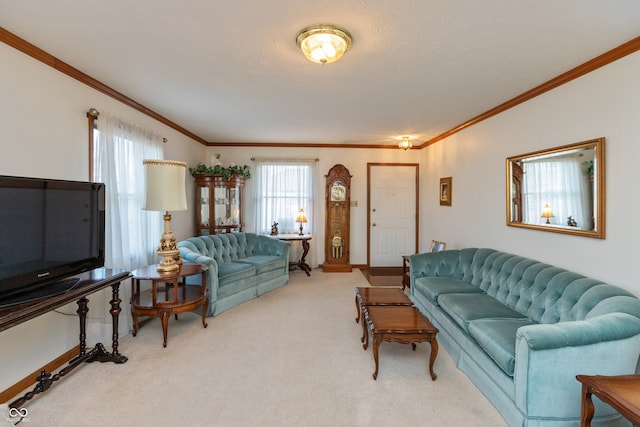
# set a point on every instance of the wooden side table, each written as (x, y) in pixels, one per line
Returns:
(169, 294)
(302, 264)
(406, 269)
(622, 392)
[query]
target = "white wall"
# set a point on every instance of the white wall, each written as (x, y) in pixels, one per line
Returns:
(43, 133)
(604, 103)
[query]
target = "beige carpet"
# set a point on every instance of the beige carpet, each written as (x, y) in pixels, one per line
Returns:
(291, 357)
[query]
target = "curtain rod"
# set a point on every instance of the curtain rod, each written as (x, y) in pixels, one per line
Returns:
(279, 159)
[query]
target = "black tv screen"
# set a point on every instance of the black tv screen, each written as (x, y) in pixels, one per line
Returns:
(49, 230)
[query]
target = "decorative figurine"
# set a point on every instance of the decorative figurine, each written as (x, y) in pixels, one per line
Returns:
(274, 229)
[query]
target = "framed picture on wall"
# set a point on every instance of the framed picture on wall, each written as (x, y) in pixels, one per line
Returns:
(446, 191)
(437, 246)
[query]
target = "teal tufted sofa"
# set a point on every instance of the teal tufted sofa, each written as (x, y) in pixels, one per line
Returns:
(242, 266)
(521, 330)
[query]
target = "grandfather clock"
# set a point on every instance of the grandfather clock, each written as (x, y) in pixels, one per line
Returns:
(337, 214)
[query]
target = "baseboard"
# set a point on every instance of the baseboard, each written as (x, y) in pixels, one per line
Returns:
(29, 381)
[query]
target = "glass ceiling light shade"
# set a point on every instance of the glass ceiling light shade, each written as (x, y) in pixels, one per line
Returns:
(405, 144)
(323, 43)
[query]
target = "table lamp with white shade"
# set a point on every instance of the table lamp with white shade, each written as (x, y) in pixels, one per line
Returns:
(165, 182)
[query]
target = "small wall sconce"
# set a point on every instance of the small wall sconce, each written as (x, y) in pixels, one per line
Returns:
(547, 213)
(301, 218)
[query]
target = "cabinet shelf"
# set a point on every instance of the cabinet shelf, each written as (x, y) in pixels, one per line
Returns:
(218, 203)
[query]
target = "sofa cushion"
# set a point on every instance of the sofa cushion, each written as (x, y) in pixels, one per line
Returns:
(264, 263)
(463, 308)
(231, 271)
(497, 337)
(432, 287)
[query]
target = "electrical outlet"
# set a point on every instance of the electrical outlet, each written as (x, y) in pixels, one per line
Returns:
(354, 203)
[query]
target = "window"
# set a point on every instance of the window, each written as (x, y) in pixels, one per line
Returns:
(132, 234)
(282, 188)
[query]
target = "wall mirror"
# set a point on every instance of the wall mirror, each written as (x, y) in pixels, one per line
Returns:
(561, 189)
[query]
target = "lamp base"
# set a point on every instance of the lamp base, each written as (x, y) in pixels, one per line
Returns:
(301, 233)
(168, 251)
(168, 263)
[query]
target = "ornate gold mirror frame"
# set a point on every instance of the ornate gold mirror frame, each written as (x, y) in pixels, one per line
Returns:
(561, 190)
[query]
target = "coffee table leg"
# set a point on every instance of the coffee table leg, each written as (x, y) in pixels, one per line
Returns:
(376, 345)
(587, 410)
(432, 358)
(357, 310)
(365, 335)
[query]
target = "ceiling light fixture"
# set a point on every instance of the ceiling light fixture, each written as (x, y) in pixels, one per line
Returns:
(405, 144)
(323, 43)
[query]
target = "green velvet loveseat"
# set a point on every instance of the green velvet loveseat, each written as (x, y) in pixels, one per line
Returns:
(242, 266)
(521, 330)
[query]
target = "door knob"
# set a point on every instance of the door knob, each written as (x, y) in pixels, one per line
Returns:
(373, 225)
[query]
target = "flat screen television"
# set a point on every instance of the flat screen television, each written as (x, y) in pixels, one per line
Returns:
(50, 230)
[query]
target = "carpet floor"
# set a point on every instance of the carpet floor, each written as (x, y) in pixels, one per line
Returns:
(291, 357)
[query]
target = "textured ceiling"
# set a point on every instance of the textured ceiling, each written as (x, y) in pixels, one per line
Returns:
(230, 71)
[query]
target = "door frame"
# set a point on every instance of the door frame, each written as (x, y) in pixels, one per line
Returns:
(417, 172)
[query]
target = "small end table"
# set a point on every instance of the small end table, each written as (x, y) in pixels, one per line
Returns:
(169, 294)
(305, 248)
(406, 269)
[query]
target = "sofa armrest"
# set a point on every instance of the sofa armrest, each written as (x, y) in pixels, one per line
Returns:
(273, 247)
(212, 273)
(433, 264)
(548, 357)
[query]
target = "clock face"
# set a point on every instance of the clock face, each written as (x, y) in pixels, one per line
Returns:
(338, 192)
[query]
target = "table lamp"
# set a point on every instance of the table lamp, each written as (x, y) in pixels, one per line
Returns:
(301, 218)
(165, 180)
(546, 213)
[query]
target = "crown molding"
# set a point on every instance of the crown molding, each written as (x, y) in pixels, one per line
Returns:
(50, 60)
(589, 66)
(585, 68)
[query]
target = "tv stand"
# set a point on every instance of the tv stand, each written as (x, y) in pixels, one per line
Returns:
(89, 282)
(43, 290)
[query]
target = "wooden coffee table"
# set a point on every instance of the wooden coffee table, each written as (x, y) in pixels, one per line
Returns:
(381, 296)
(401, 324)
(622, 392)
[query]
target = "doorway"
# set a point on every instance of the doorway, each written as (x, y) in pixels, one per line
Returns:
(392, 213)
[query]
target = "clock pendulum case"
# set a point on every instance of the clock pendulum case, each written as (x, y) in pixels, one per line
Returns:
(337, 214)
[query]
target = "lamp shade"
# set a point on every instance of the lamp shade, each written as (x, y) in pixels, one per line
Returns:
(301, 216)
(165, 185)
(547, 213)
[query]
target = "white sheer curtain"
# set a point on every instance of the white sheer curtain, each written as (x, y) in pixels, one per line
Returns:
(281, 188)
(131, 233)
(560, 183)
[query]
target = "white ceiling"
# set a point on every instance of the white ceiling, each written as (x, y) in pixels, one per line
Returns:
(230, 71)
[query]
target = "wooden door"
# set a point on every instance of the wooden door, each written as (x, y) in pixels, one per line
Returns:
(392, 213)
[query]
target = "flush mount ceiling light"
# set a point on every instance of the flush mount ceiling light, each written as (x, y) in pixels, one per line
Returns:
(405, 144)
(323, 43)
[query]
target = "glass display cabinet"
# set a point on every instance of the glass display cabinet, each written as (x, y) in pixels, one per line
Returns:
(218, 203)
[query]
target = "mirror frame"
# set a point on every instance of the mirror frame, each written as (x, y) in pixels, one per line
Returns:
(599, 203)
